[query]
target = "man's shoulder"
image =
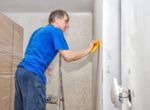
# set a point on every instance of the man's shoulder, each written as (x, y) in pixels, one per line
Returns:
(48, 29)
(53, 28)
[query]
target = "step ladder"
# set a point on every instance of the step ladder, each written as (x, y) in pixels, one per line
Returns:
(58, 100)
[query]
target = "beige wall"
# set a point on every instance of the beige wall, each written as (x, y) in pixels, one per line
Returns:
(29, 21)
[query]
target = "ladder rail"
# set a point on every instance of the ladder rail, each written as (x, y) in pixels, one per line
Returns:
(61, 92)
(58, 100)
(61, 82)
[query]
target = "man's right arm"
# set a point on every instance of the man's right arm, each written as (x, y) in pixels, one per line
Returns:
(69, 55)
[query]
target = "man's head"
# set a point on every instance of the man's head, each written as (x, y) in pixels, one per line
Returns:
(59, 18)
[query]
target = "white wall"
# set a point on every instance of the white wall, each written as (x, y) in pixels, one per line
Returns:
(106, 26)
(111, 49)
(97, 57)
(135, 52)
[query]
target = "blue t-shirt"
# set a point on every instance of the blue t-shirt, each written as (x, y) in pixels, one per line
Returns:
(43, 46)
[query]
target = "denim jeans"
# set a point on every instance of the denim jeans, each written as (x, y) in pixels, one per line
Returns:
(30, 91)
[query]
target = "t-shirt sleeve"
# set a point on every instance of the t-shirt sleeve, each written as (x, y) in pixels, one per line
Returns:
(60, 42)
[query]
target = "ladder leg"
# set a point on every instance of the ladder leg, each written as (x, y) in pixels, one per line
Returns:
(61, 92)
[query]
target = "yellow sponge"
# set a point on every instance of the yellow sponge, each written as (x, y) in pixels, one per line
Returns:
(95, 46)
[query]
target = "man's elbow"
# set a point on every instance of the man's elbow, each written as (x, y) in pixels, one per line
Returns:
(65, 55)
(67, 59)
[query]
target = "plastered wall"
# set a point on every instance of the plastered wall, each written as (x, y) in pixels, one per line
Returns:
(97, 57)
(135, 52)
(77, 76)
(111, 49)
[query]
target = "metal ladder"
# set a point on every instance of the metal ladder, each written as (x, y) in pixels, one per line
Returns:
(59, 100)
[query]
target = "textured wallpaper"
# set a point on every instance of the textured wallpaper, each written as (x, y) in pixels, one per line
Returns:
(77, 76)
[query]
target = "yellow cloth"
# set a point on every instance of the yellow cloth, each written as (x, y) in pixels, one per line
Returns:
(95, 46)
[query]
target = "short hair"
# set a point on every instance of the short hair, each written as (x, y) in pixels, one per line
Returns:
(57, 14)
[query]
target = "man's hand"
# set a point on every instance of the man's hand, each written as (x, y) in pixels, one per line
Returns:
(95, 46)
(69, 55)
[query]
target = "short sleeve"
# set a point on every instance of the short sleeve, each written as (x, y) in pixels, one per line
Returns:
(60, 42)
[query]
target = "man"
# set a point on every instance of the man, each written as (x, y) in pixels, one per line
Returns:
(42, 48)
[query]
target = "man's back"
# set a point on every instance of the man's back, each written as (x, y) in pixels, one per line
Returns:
(42, 48)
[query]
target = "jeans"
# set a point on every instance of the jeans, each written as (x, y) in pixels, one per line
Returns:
(30, 91)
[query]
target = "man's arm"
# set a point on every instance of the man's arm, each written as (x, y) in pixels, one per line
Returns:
(69, 55)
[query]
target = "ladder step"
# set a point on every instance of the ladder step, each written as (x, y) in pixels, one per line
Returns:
(50, 99)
